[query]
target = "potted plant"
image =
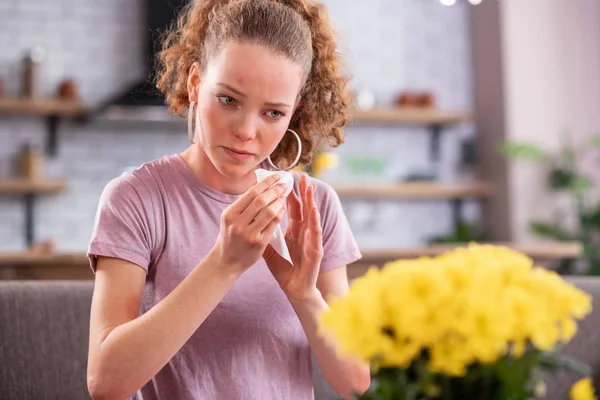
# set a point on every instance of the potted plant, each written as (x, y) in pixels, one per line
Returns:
(564, 176)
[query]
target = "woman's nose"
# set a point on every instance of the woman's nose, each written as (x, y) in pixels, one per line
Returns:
(246, 128)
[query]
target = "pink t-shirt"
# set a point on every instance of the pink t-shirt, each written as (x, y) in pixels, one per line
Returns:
(252, 346)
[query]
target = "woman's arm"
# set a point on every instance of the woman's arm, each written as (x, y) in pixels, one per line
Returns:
(126, 350)
(307, 288)
(345, 375)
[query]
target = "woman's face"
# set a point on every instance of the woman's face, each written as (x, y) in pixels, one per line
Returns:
(246, 97)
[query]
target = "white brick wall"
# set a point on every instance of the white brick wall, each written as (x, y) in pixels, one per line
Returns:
(393, 45)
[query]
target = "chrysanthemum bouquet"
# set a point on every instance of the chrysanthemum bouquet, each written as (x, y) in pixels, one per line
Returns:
(480, 322)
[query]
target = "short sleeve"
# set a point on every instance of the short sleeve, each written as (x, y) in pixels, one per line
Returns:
(339, 245)
(123, 225)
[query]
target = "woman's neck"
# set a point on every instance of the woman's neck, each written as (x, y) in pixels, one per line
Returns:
(198, 162)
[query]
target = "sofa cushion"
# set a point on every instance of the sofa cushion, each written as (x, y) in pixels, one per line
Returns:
(44, 329)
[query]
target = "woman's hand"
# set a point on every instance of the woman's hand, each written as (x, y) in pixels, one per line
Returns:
(248, 224)
(304, 238)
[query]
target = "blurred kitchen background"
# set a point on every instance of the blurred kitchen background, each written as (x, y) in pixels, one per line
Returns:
(466, 112)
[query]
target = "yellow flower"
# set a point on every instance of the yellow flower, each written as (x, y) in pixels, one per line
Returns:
(323, 162)
(359, 322)
(582, 390)
(472, 305)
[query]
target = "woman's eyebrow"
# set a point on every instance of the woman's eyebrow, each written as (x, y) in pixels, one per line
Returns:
(241, 94)
(229, 87)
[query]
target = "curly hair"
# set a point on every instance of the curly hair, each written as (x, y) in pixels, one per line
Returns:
(298, 29)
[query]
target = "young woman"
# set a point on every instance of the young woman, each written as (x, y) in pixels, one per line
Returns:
(190, 300)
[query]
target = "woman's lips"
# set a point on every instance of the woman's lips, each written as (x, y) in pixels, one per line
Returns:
(237, 154)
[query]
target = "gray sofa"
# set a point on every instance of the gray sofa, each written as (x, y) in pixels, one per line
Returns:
(44, 338)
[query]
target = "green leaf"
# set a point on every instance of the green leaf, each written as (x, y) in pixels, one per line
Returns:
(516, 375)
(580, 185)
(551, 231)
(523, 151)
(555, 362)
(593, 267)
(590, 219)
(568, 180)
(561, 179)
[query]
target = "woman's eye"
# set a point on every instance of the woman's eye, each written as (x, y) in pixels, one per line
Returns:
(274, 114)
(228, 101)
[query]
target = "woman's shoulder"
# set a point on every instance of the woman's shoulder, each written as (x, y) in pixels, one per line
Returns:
(143, 178)
(138, 186)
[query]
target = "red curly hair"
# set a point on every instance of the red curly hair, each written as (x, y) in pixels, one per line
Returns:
(298, 29)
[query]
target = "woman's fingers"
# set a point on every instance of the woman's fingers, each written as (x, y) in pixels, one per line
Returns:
(272, 214)
(272, 225)
(294, 207)
(314, 218)
(305, 201)
(246, 199)
(261, 203)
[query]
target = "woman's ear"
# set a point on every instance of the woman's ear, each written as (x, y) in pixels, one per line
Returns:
(193, 82)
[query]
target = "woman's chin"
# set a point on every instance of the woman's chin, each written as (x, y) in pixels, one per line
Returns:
(236, 171)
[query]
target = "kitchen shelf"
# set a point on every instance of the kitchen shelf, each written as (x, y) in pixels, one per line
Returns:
(435, 120)
(52, 109)
(455, 193)
(42, 107)
(29, 190)
(28, 265)
(409, 115)
(417, 190)
(21, 187)
(539, 252)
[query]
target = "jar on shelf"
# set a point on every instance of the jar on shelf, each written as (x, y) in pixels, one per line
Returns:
(30, 72)
(30, 163)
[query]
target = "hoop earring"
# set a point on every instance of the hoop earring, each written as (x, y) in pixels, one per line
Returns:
(190, 123)
(293, 164)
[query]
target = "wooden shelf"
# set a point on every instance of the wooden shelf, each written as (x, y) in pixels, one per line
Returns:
(406, 115)
(539, 252)
(418, 190)
(31, 266)
(42, 107)
(18, 187)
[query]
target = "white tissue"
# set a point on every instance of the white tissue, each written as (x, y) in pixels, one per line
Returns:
(278, 239)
